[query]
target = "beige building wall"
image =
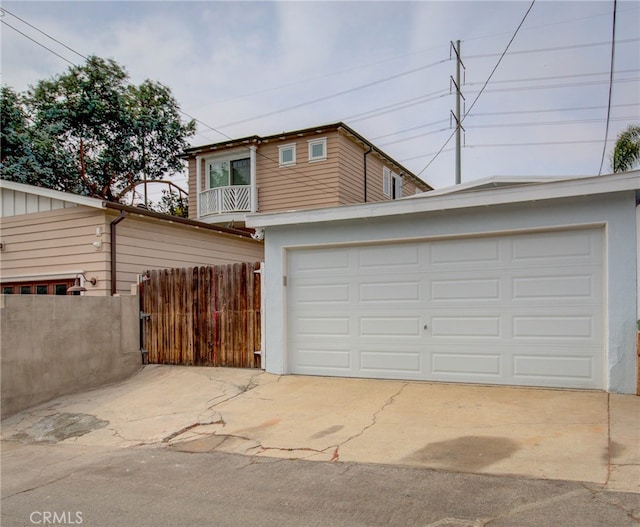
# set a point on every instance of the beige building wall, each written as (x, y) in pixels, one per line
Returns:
(60, 243)
(55, 244)
(338, 180)
(305, 185)
(146, 243)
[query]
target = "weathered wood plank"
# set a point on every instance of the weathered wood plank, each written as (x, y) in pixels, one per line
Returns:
(203, 315)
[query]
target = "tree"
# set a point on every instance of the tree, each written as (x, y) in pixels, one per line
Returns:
(90, 132)
(626, 153)
(173, 203)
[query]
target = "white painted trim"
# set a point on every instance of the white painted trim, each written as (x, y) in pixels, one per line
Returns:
(456, 236)
(41, 276)
(282, 148)
(198, 184)
(426, 203)
(314, 141)
(52, 194)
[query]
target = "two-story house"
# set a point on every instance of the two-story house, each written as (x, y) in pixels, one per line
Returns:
(323, 166)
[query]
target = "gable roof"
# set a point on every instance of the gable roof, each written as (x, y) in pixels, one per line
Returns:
(30, 199)
(339, 126)
(486, 193)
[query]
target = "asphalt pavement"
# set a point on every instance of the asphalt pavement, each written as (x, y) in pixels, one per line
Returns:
(224, 447)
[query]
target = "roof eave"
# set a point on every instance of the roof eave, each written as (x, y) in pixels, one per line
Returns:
(565, 188)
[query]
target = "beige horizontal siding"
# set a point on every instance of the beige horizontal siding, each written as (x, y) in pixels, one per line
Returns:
(301, 186)
(145, 243)
(351, 171)
(56, 242)
(338, 180)
(193, 190)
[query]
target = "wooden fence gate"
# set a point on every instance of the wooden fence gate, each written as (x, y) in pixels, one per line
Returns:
(202, 316)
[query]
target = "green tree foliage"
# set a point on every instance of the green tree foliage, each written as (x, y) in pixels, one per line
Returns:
(90, 132)
(626, 153)
(173, 203)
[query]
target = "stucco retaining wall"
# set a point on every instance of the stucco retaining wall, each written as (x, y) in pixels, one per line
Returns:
(55, 345)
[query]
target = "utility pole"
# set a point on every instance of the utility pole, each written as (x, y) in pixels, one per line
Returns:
(458, 116)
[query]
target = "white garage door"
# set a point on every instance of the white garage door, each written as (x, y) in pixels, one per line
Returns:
(522, 309)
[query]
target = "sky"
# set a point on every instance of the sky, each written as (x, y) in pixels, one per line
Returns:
(383, 68)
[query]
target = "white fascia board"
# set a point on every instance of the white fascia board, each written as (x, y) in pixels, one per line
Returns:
(491, 183)
(53, 194)
(564, 188)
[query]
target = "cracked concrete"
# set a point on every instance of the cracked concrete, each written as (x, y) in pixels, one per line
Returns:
(548, 434)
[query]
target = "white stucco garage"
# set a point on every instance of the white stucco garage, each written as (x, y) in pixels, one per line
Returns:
(498, 282)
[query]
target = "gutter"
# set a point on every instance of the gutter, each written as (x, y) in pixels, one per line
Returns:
(175, 219)
(112, 233)
(365, 172)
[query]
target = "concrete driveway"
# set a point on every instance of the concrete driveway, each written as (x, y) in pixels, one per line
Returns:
(547, 434)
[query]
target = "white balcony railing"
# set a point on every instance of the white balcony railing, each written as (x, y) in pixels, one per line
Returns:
(225, 199)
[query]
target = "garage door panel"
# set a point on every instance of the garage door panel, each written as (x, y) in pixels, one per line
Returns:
(466, 253)
(466, 289)
(557, 366)
(389, 291)
(555, 247)
(400, 257)
(322, 259)
(390, 361)
(339, 327)
(331, 360)
(524, 309)
(324, 293)
(557, 327)
(390, 326)
(471, 365)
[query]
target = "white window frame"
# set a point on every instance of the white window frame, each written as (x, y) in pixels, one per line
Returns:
(391, 184)
(284, 148)
(313, 142)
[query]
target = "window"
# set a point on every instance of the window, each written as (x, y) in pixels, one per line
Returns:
(41, 287)
(228, 172)
(391, 184)
(287, 155)
(317, 149)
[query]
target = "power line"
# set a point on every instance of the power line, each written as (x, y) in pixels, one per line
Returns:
(556, 48)
(551, 110)
(554, 86)
(613, 54)
(482, 89)
(4, 10)
(553, 77)
(363, 116)
(542, 143)
(553, 123)
(35, 41)
(334, 95)
(569, 21)
(397, 132)
(305, 179)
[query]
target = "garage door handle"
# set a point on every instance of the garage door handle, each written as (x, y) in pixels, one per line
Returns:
(425, 326)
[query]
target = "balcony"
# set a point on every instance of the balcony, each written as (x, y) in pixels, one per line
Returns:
(222, 200)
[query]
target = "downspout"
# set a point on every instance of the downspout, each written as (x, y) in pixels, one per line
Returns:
(112, 226)
(365, 172)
